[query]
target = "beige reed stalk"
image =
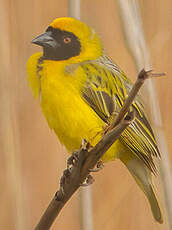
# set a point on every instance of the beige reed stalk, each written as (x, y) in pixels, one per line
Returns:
(133, 31)
(9, 127)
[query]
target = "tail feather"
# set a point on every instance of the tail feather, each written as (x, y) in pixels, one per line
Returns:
(154, 205)
(142, 176)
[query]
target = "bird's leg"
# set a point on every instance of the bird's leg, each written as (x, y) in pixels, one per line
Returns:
(99, 166)
(88, 181)
(74, 158)
(85, 145)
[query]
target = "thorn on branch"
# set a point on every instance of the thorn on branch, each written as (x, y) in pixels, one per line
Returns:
(99, 166)
(88, 181)
(143, 75)
(65, 179)
(66, 176)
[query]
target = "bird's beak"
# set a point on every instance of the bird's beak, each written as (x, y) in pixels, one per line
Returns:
(46, 40)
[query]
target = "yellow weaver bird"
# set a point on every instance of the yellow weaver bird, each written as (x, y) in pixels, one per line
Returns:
(80, 88)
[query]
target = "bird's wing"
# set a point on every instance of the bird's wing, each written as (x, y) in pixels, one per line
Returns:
(105, 91)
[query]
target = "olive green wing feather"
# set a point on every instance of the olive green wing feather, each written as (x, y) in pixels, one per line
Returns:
(105, 91)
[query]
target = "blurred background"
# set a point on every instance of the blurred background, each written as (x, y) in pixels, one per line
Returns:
(32, 159)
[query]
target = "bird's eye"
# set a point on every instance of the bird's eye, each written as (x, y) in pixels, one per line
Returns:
(66, 40)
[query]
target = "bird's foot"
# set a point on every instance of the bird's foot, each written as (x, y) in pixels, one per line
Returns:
(85, 145)
(99, 166)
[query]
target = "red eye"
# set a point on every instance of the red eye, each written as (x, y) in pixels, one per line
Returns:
(67, 40)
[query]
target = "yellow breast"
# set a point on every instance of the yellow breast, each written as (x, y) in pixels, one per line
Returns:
(66, 112)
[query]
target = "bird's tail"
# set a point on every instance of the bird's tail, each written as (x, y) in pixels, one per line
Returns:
(143, 178)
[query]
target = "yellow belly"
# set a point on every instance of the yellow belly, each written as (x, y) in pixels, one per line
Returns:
(69, 115)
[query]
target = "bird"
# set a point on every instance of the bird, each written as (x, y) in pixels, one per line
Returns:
(80, 89)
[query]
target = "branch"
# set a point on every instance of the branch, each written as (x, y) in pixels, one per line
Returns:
(84, 159)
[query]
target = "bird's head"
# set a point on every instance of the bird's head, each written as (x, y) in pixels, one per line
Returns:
(69, 39)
